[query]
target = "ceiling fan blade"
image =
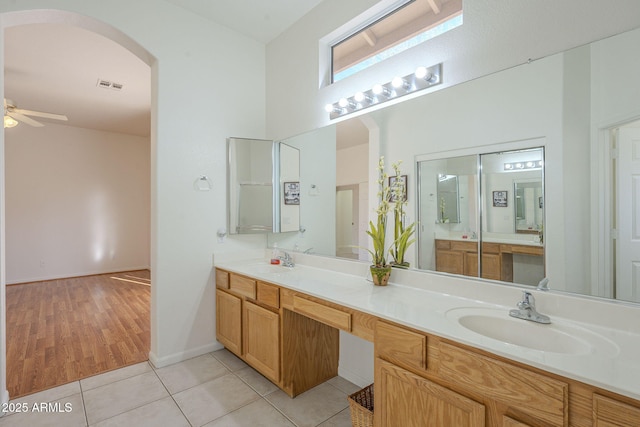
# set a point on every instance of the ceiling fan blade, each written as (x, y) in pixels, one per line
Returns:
(24, 119)
(40, 114)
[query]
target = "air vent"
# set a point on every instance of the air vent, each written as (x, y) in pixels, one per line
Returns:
(106, 84)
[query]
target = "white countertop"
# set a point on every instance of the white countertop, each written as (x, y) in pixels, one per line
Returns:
(423, 301)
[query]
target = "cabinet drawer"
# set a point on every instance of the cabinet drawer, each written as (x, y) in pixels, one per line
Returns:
(491, 248)
(222, 279)
(464, 246)
(242, 285)
(443, 244)
(608, 412)
(268, 294)
(541, 397)
(400, 346)
(322, 313)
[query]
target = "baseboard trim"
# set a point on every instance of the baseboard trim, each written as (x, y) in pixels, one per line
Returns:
(349, 375)
(4, 400)
(74, 275)
(161, 362)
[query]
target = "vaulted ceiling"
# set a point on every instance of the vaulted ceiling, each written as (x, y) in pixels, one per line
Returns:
(58, 68)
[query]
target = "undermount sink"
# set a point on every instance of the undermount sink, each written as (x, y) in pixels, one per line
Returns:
(557, 337)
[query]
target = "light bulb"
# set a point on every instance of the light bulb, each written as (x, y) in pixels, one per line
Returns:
(343, 102)
(329, 108)
(398, 82)
(361, 97)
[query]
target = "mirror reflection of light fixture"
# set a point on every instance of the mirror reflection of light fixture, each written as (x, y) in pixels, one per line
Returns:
(530, 164)
(10, 122)
(422, 78)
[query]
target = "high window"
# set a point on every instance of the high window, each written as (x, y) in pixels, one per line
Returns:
(410, 24)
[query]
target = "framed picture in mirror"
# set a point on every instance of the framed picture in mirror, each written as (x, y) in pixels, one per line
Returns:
(500, 199)
(292, 193)
(397, 181)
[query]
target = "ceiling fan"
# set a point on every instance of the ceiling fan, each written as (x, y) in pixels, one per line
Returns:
(13, 115)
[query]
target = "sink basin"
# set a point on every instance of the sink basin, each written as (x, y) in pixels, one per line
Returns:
(265, 268)
(557, 337)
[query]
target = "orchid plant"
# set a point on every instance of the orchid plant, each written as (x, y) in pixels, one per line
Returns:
(402, 234)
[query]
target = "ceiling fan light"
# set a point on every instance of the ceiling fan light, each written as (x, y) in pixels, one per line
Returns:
(10, 122)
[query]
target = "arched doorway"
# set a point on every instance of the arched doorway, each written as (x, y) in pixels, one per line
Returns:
(100, 250)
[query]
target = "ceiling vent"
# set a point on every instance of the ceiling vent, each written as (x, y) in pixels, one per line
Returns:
(106, 84)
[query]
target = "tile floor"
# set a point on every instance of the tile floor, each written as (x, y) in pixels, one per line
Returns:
(216, 389)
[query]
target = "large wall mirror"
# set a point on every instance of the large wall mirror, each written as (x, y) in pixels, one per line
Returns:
(576, 104)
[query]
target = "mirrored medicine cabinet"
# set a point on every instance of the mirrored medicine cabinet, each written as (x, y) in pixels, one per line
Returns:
(263, 186)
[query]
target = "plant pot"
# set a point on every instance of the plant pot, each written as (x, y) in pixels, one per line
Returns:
(380, 275)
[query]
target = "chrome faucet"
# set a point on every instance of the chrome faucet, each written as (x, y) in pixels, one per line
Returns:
(527, 310)
(286, 259)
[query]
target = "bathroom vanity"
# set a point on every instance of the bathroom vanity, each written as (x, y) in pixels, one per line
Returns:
(428, 366)
(460, 256)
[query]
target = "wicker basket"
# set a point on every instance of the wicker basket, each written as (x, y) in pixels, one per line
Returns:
(361, 407)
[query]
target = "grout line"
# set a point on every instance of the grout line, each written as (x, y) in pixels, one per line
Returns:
(172, 398)
(84, 406)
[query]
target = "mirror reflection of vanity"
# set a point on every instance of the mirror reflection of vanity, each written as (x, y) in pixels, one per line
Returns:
(572, 104)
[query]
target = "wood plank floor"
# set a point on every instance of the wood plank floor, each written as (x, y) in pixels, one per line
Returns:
(63, 330)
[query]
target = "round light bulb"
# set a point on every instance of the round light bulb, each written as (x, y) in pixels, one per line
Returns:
(377, 89)
(397, 82)
(421, 72)
(343, 102)
(359, 96)
(328, 108)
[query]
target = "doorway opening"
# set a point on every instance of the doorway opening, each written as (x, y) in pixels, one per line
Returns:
(624, 207)
(77, 204)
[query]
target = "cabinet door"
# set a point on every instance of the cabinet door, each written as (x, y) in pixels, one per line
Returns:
(404, 399)
(471, 264)
(262, 340)
(491, 266)
(450, 261)
(229, 321)
(608, 412)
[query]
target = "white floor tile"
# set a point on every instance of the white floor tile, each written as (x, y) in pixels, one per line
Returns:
(121, 396)
(214, 399)
(230, 360)
(163, 412)
(184, 375)
(115, 375)
(256, 381)
(256, 414)
(312, 407)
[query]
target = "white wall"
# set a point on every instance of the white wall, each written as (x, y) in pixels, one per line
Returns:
(207, 84)
(494, 36)
(77, 202)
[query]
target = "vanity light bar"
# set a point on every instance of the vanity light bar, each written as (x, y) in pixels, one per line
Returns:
(529, 164)
(422, 78)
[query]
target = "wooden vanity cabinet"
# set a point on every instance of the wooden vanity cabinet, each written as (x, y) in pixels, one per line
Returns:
(261, 340)
(420, 379)
(229, 321)
(244, 327)
(455, 385)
